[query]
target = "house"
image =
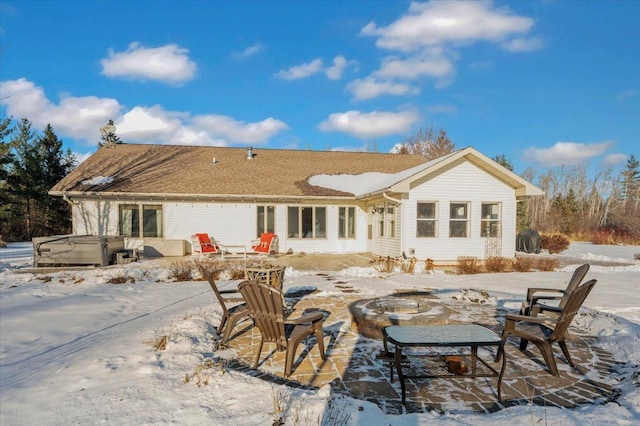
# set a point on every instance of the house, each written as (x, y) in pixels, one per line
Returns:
(157, 196)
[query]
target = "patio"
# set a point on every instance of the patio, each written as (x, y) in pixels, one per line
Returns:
(353, 368)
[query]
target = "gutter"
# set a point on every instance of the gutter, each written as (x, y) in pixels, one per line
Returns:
(66, 195)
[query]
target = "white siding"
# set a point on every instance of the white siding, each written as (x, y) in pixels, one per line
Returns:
(228, 223)
(462, 182)
(95, 218)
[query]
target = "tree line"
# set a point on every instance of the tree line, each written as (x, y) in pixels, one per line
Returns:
(575, 202)
(31, 163)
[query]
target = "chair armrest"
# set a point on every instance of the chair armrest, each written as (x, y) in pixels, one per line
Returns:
(532, 290)
(543, 307)
(526, 318)
(310, 317)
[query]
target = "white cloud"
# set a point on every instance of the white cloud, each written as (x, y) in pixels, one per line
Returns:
(371, 87)
(614, 159)
(301, 71)
(443, 22)
(567, 153)
(334, 72)
(523, 44)
(82, 157)
(430, 62)
(77, 117)
(369, 125)
(169, 64)
(627, 94)
(81, 118)
(238, 131)
(248, 52)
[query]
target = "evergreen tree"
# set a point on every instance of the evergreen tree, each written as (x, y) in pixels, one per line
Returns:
(631, 180)
(503, 161)
(6, 159)
(55, 164)
(34, 165)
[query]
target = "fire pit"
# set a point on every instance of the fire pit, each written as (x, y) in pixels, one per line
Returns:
(370, 316)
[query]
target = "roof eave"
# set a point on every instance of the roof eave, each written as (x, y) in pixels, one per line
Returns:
(193, 197)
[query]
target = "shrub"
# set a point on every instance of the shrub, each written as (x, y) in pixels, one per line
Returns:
(547, 264)
(497, 264)
(428, 265)
(385, 264)
(408, 265)
(523, 264)
(122, 279)
(181, 270)
(468, 265)
(603, 237)
(554, 243)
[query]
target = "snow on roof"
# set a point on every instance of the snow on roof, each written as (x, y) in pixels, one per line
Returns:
(98, 180)
(367, 183)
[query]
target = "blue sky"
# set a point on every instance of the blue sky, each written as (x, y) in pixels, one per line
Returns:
(543, 82)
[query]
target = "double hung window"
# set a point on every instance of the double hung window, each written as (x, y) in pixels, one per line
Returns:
(426, 220)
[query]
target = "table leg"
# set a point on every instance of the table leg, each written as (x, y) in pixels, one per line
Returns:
(504, 364)
(474, 361)
(398, 356)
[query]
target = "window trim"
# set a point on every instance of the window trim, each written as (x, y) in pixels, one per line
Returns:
(497, 221)
(269, 212)
(433, 219)
(350, 221)
(314, 222)
(466, 219)
(141, 208)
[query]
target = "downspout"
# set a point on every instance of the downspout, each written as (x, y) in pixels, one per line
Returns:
(398, 203)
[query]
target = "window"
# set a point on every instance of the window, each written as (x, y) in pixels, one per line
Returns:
(307, 222)
(490, 225)
(134, 218)
(265, 220)
(391, 220)
(426, 223)
(459, 220)
(380, 211)
(347, 222)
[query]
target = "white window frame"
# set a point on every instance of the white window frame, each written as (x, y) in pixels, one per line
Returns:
(421, 220)
(347, 223)
(491, 222)
(318, 230)
(142, 211)
(267, 215)
(460, 216)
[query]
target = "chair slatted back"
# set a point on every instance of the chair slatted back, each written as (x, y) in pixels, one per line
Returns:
(571, 308)
(267, 310)
(574, 282)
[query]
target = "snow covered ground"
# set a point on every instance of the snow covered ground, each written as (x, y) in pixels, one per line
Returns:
(74, 349)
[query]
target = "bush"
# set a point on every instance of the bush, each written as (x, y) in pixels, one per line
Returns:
(547, 264)
(603, 237)
(385, 264)
(181, 271)
(554, 243)
(523, 264)
(468, 265)
(497, 264)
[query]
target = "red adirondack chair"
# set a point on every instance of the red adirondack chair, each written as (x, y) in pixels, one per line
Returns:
(202, 244)
(267, 244)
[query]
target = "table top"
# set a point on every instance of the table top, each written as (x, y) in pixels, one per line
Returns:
(441, 335)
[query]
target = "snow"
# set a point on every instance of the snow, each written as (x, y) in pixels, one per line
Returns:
(75, 349)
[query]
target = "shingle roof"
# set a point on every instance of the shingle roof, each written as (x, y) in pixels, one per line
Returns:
(189, 170)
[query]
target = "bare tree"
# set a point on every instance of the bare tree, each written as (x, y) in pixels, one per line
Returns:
(425, 143)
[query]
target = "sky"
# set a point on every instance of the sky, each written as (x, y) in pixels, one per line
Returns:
(545, 83)
(77, 350)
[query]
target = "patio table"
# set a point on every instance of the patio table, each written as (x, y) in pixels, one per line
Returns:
(442, 336)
